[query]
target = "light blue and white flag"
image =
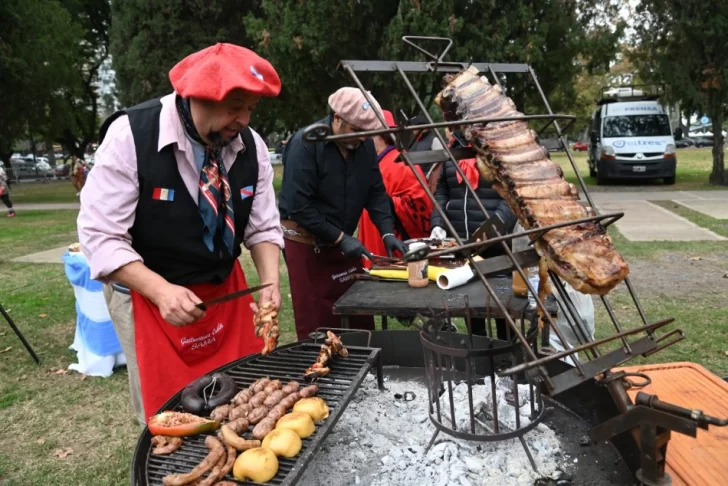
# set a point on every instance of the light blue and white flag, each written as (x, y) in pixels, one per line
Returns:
(96, 341)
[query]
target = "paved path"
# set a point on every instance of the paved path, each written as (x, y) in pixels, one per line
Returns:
(48, 256)
(42, 206)
(644, 221)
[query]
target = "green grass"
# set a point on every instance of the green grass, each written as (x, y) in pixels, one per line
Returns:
(277, 177)
(693, 168)
(43, 192)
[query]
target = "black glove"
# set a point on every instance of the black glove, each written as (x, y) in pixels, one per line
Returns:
(353, 248)
(392, 243)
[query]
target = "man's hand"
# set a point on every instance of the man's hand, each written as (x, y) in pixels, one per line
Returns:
(392, 243)
(353, 248)
(267, 294)
(177, 305)
(438, 233)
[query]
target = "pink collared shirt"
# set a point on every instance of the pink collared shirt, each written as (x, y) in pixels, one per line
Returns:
(109, 197)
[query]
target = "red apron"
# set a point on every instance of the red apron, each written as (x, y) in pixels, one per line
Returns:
(317, 282)
(170, 358)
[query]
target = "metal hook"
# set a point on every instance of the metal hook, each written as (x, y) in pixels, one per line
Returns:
(204, 390)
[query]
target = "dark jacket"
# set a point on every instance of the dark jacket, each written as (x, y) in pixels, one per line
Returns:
(461, 208)
(326, 194)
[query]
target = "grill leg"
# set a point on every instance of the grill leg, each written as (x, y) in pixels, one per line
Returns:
(345, 322)
(432, 441)
(380, 372)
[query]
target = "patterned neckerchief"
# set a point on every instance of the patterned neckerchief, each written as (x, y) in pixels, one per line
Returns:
(215, 198)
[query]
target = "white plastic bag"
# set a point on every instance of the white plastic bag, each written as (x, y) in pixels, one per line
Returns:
(585, 307)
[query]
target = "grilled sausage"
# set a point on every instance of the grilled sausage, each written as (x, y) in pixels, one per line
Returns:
(221, 413)
(273, 386)
(239, 412)
(260, 385)
(277, 412)
(243, 396)
(263, 428)
(291, 400)
(309, 391)
(216, 452)
(291, 387)
(164, 444)
(234, 440)
(216, 472)
(275, 397)
(257, 415)
(239, 425)
(258, 399)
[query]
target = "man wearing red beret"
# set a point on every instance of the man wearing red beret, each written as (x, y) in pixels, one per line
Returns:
(326, 186)
(180, 182)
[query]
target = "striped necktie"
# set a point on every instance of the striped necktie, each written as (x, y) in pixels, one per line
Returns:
(216, 206)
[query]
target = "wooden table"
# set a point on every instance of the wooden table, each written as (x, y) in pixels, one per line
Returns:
(398, 299)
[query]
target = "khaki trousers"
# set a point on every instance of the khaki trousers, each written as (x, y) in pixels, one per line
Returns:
(122, 317)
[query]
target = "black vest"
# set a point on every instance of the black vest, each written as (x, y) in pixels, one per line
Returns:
(167, 230)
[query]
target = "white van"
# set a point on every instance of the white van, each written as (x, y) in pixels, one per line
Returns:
(631, 140)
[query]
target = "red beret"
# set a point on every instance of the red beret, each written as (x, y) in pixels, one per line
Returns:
(213, 72)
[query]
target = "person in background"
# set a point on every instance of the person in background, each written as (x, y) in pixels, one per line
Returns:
(5, 192)
(411, 208)
(424, 140)
(326, 186)
(463, 211)
(78, 174)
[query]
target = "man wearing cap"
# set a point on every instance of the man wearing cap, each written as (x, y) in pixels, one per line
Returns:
(326, 185)
(411, 208)
(179, 183)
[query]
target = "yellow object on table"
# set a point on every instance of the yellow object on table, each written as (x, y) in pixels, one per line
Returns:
(432, 273)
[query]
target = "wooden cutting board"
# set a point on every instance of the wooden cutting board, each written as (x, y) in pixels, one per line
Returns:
(700, 461)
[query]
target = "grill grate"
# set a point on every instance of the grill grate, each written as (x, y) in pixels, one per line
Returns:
(285, 364)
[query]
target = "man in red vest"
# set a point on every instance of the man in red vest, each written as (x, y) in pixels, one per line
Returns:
(411, 206)
(179, 183)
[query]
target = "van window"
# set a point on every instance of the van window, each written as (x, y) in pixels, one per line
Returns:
(637, 126)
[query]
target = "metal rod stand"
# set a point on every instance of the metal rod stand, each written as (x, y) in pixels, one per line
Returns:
(19, 334)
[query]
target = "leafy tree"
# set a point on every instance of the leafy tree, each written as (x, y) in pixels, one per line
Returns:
(73, 114)
(685, 44)
(148, 37)
(305, 42)
(37, 49)
(550, 35)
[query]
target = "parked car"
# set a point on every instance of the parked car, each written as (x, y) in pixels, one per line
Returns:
(685, 142)
(62, 170)
(551, 144)
(703, 141)
(581, 147)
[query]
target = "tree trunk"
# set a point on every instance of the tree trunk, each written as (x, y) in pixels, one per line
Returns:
(715, 102)
(51, 152)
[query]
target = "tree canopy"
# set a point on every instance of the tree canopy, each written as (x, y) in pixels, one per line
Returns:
(684, 43)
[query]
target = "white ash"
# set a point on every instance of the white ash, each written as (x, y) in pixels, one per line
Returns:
(380, 441)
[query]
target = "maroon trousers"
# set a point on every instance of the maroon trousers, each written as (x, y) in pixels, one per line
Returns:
(317, 282)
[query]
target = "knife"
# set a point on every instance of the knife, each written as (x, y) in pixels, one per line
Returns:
(240, 293)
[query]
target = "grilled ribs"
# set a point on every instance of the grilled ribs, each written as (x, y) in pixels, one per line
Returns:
(510, 157)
